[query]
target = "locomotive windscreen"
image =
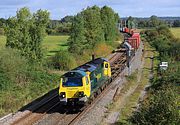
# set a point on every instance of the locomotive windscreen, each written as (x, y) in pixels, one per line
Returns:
(72, 82)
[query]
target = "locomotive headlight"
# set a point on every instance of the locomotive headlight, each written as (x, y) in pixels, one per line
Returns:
(81, 94)
(62, 94)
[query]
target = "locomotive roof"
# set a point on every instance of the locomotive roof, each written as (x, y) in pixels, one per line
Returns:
(91, 65)
(75, 73)
(81, 70)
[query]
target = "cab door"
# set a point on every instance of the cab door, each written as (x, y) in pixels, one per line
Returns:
(87, 86)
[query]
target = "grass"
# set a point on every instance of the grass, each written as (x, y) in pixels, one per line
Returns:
(54, 43)
(51, 43)
(176, 32)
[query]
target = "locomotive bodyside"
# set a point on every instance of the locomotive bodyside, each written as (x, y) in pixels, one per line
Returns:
(79, 84)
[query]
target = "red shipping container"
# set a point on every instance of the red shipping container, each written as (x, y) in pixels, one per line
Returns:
(137, 35)
(126, 30)
(133, 42)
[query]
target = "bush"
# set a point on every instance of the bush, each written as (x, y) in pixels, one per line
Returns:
(161, 108)
(19, 70)
(13, 66)
(21, 81)
(1, 31)
(102, 49)
(63, 60)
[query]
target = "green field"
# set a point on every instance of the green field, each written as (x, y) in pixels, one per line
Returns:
(51, 43)
(55, 43)
(176, 32)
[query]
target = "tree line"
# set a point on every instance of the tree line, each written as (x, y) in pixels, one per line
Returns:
(152, 22)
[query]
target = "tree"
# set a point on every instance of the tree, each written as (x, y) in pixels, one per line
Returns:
(93, 25)
(25, 32)
(2, 22)
(176, 23)
(154, 21)
(131, 22)
(67, 19)
(109, 21)
(77, 41)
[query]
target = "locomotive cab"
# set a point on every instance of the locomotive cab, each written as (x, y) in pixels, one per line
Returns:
(74, 87)
(78, 85)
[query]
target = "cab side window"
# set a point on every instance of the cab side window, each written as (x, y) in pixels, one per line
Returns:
(106, 65)
(87, 81)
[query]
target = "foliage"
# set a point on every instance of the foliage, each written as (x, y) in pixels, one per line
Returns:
(109, 21)
(77, 41)
(67, 19)
(176, 23)
(102, 50)
(151, 22)
(1, 31)
(164, 41)
(161, 106)
(2, 22)
(131, 22)
(25, 32)
(92, 26)
(63, 26)
(63, 60)
(21, 81)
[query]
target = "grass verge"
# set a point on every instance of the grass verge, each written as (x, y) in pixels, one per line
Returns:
(133, 100)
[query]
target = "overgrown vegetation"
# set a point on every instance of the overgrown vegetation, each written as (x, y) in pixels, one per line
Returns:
(161, 104)
(23, 75)
(26, 31)
(21, 81)
(63, 60)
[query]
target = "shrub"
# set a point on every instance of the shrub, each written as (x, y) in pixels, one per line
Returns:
(13, 65)
(161, 108)
(21, 81)
(1, 31)
(102, 49)
(63, 60)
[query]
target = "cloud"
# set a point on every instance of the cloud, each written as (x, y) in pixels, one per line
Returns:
(61, 8)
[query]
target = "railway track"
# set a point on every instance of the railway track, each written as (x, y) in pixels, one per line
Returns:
(66, 115)
(38, 112)
(118, 59)
(71, 117)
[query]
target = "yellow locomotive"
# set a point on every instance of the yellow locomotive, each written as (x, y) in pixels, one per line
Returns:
(77, 85)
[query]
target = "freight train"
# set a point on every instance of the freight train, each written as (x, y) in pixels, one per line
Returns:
(79, 84)
(133, 37)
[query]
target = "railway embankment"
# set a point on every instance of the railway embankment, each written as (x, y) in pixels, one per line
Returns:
(127, 98)
(101, 110)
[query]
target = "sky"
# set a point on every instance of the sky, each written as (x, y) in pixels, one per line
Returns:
(125, 8)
